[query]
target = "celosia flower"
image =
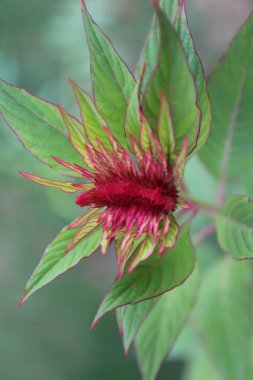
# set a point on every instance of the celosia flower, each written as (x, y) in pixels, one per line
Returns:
(132, 196)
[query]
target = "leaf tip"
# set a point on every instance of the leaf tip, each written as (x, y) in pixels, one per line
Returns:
(143, 70)
(120, 274)
(60, 108)
(141, 115)
(182, 4)
(94, 323)
(126, 350)
(120, 330)
(22, 299)
(131, 268)
(72, 83)
(163, 97)
(155, 4)
(23, 174)
(55, 158)
(69, 247)
(83, 4)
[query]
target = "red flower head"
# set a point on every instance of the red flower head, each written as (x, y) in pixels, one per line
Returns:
(132, 196)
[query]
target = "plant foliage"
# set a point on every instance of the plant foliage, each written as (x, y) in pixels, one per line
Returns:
(128, 151)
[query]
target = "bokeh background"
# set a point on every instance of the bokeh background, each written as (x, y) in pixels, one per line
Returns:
(41, 45)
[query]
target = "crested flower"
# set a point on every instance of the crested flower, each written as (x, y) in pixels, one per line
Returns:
(132, 195)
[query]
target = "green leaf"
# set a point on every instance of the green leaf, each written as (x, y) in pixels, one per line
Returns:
(38, 125)
(132, 318)
(235, 227)
(223, 319)
(160, 329)
(133, 119)
(166, 130)
(56, 261)
(196, 68)
(153, 277)
(173, 78)
(93, 123)
(67, 187)
(76, 136)
(229, 147)
(151, 48)
(177, 15)
(113, 84)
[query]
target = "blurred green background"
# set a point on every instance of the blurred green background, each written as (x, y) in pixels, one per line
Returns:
(41, 45)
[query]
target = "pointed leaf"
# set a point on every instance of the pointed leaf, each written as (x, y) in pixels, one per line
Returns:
(132, 121)
(181, 161)
(119, 318)
(170, 239)
(143, 252)
(38, 125)
(76, 136)
(67, 187)
(151, 48)
(113, 83)
(173, 78)
(93, 123)
(84, 231)
(153, 277)
(177, 15)
(84, 218)
(197, 71)
(76, 132)
(229, 147)
(74, 168)
(160, 329)
(166, 130)
(133, 114)
(235, 227)
(55, 261)
(132, 318)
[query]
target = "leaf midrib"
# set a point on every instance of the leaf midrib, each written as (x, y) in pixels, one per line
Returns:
(235, 222)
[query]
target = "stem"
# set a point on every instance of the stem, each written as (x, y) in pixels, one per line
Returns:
(203, 207)
(204, 233)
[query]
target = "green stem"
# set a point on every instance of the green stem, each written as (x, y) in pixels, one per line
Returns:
(204, 233)
(203, 207)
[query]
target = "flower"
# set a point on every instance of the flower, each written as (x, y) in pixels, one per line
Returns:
(131, 196)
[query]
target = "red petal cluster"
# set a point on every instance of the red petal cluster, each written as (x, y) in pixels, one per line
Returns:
(135, 196)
